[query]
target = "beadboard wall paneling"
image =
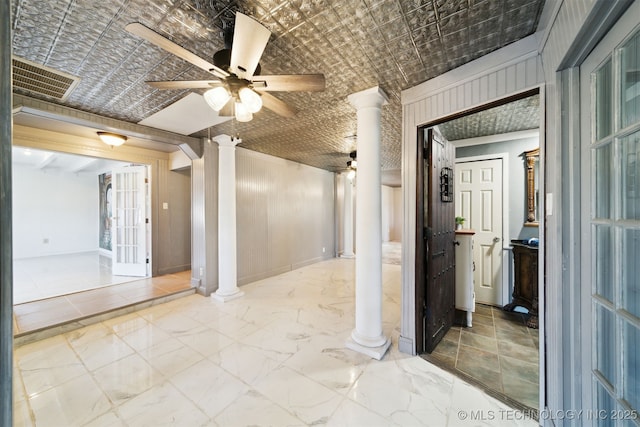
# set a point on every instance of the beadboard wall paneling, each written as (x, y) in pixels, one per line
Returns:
(285, 215)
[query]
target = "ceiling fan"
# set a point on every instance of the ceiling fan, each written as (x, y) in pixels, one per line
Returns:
(239, 89)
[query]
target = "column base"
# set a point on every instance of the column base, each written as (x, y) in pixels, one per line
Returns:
(227, 297)
(373, 352)
(348, 256)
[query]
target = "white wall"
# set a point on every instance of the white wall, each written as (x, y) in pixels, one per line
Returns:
(62, 207)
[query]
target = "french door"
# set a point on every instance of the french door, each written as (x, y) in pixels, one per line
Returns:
(129, 236)
(610, 253)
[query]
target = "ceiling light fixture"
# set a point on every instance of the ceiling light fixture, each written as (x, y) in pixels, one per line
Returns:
(217, 97)
(352, 165)
(250, 99)
(112, 139)
(242, 113)
(247, 101)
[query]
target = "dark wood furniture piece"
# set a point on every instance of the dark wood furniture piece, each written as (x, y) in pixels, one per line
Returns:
(525, 287)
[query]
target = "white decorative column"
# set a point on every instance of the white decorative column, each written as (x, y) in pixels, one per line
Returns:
(227, 263)
(368, 337)
(347, 251)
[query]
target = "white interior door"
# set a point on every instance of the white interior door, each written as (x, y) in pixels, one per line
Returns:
(610, 245)
(129, 240)
(479, 200)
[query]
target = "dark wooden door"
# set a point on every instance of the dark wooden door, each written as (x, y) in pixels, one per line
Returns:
(437, 237)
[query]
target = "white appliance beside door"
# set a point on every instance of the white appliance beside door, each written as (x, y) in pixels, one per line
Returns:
(465, 294)
(129, 223)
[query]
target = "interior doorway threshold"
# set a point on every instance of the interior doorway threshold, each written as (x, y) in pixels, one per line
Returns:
(45, 318)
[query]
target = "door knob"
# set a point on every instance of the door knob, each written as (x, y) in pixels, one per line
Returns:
(496, 239)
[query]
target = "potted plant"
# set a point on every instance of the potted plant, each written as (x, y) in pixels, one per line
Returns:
(459, 222)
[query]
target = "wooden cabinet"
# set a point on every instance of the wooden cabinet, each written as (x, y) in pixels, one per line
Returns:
(525, 286)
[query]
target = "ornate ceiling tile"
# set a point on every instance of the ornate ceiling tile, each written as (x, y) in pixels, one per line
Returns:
(356, 44)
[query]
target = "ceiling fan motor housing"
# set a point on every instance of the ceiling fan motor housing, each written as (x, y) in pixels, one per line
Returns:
(222, 59)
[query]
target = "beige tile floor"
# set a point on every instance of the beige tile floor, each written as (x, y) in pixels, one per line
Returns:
(65, 310)
(273, 357)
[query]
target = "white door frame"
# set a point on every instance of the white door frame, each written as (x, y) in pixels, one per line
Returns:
(505, 290)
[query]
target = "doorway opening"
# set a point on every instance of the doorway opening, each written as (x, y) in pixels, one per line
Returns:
(63, 224)
(499, 352)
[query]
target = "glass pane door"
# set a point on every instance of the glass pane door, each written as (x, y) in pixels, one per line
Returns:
(613, 148)
(129, 222)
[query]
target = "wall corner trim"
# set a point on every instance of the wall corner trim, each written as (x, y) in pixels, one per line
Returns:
(405, 345)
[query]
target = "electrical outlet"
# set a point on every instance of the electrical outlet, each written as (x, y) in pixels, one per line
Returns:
(201, 271)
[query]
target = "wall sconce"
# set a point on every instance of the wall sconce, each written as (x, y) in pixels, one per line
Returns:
(112, 139)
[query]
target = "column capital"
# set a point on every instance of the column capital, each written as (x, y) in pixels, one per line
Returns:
(372, 97)
(224, 140)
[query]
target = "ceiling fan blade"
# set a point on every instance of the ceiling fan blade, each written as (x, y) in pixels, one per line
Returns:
(289, 83)
(185, 84)
(162, 42)
(228, 109)
(274, 104)
(249, 40)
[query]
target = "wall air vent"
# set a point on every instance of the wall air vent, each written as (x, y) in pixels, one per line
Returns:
(41, 80)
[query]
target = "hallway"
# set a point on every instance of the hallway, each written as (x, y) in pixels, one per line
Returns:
(273, 357)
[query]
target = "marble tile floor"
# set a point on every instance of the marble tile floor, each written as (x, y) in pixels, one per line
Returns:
(499, 353)
(276, 356)
(49, 276)
(392, 253)
(49, 316)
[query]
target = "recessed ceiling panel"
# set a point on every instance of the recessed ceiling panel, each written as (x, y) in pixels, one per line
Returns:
(186, 116)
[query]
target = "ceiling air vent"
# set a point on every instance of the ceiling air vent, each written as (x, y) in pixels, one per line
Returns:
(42, 80)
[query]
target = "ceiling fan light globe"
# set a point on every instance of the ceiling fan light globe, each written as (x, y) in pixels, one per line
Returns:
(250, 99)
(242, 114)
(217, 97)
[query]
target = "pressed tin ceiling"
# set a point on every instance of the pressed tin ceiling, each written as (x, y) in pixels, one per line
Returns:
(356, 44)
